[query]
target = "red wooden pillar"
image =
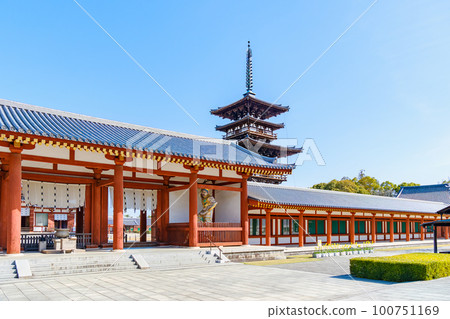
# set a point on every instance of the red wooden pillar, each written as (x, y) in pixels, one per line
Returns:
(268, 227)
(156, 230)
(118, 205)
(445, 232)
(165, 210)
(87, 209)
(329, 227)
(4, 206)
(193, 218)
(244, 210)
(96, 214)
(408, 226)
(143, 226)
(374, 229)
(104, 216)
(15, 201)
(422, 231)
(301, 229)
(352, 228)
(391, 229)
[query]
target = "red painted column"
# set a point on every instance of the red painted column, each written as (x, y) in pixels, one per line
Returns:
(329, 228)
(87, 210)
(193, 218)
(268, 227)
(118, 205)
(408, 225)
(301, 229)
(244, 210)
(422, 230)
(391, 229)
(15, 201)
(4, 207)
(143, 226)
(374, 229)
(352, 228)
(96, 214)
(156, 230)
(445, 232)
(104, 217)
(165, 217)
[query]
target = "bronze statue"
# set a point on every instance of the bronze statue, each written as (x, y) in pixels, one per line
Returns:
(208, 204)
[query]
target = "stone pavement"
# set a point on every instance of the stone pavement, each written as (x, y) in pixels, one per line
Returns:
(315, 280)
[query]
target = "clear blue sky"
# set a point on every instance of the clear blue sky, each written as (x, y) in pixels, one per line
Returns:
(378, 100)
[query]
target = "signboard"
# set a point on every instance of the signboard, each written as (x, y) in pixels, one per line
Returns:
(25, 211)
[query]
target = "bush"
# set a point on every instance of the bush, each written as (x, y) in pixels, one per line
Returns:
(400, 268)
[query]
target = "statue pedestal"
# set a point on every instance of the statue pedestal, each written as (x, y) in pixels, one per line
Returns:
(66, 244)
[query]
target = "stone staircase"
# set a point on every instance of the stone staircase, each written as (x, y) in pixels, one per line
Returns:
(7, 270)
(79, 264)
(69, 264)
(180, 259)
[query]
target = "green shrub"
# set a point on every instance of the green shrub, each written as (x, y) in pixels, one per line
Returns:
(400, 268)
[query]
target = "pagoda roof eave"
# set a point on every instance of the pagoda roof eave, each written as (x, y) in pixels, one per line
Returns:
(248, 118)
(289, 150)
(278, 108)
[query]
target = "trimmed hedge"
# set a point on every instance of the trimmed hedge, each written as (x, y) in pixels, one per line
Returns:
(400, 268)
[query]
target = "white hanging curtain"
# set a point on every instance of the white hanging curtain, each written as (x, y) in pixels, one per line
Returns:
(53, 195)
(136, 199)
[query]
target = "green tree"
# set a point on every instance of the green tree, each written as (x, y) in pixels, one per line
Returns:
(345, 185)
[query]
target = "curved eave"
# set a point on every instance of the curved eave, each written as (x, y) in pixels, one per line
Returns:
(8, 137)
(325, 207)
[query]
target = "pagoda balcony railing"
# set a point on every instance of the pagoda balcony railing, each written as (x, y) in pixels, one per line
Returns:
(265, 133)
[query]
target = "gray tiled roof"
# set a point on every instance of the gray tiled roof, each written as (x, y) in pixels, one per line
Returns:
(306, 197)
(19, 117)
(436, 193)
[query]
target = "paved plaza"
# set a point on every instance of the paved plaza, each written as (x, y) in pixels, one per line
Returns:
(324, 279)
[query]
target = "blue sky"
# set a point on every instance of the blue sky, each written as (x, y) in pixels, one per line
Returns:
(378, 100)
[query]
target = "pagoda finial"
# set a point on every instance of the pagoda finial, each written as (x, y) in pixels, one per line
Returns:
(249, 72)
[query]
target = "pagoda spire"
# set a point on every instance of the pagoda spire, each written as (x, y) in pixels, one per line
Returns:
(249, 72)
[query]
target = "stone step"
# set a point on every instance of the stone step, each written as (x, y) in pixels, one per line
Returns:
(80, 271)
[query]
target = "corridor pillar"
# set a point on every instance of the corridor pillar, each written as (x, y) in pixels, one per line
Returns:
(391, 229)
(408, 226)
(301, 229)
(244, 210)
(118, 205)
(15, 201)
(329, 228)
(374, 229)
(352, 228)
(193, 218)
(268, 227)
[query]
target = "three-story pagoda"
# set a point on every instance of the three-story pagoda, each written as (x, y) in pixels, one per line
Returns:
(249, 125)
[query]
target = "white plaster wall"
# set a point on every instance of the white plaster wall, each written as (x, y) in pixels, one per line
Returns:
(49, 151)
(92, 157)
(179, 207)
(295, 240)
(230, 174)
(228, 209)
(380, 237)
(253, 241)
(284, 240)
(37, 164)
(345, 238)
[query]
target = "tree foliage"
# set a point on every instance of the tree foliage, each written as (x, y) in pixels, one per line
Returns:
(364, 184)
